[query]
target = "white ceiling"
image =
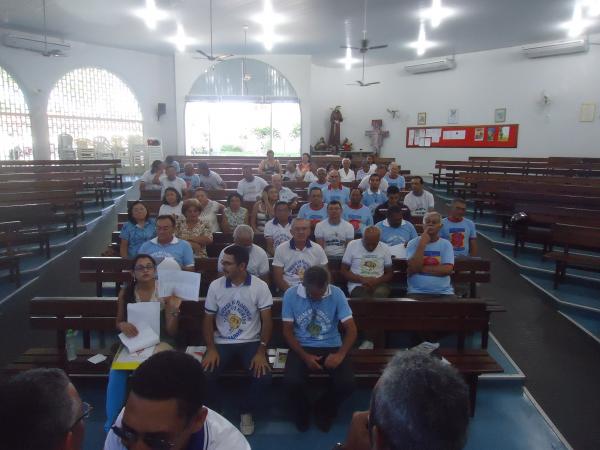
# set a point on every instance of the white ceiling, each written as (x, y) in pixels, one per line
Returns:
(315, 27)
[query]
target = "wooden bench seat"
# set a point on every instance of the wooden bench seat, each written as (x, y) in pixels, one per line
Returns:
(11, 236)
(39, 216)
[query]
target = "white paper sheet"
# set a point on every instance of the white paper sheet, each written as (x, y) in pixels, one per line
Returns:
(97, 359)
(125, 357)
(144, 314)
(452, 135)
(427, 142)
(411, 137)
(197, 351)
(182, 284)
(145, 338)
(398, 251)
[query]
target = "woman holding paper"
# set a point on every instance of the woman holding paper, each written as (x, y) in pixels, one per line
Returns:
(143, 288)
(192, 229)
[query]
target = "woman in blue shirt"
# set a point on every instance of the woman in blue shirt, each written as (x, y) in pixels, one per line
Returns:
(138, 229)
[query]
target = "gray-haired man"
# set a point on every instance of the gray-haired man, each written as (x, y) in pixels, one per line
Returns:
(243, 235)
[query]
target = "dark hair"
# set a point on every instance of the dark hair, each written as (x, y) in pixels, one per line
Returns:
(355, 189)
(239, 253)
(164, 199)
(155, 165)
(190, 203)
(374, 175)
(420, 403)
(395, 209)
(203, 165)
(307, 154)
(314, 188)
(316, 276)
(234, 195)
(130, 211)
(417, 177)
(334, 203)
(171, 166)
(171, 375)
(166, 216)
(169, 159)
(459, 200)
(393, 189)
(280, 203)
(270, 151)
(130, 288)
(36, 410)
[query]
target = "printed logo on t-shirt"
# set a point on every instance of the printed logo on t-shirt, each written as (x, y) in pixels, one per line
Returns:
(355, 221)
(280, 238)
(370, 265)
(298, 268)
(316, 327)
(457, 238)
(236, 315)
(431, 258)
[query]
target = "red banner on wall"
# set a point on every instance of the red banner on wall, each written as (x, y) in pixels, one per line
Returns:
(471, 136)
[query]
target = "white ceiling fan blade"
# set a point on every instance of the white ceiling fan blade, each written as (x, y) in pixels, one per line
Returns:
(376, 47)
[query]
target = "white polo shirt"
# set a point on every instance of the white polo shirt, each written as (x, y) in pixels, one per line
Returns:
(335, 236)
(295, 262)
(286, 194)
(237, 308)
(364, 263)
(278, 232)
(347, 177)
(419, 204)
(212, 181)
(178, 184)
(251, 190)
(258, 264)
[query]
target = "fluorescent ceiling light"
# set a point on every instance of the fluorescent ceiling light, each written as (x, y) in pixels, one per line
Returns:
(181, 40)
(593, 8)
(437, 13)
(349, 60)
(554, 48)
(422, 44)
(151, 15)
(577, 25)
(268, 19)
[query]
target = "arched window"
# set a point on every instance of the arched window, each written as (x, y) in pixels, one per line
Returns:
(242, 107)
(90, 103)
(15, 123)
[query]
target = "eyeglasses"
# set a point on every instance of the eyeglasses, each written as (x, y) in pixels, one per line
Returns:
(86, 410)
(130, 437)
(140, 268)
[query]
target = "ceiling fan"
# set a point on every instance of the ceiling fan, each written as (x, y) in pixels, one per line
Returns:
(364, 42)
(50, 52)
(361, 82)
(211, 56)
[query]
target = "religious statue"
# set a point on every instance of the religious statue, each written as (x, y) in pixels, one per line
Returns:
(335, 120)
(377, 134)
(347, 145)
(321, 145)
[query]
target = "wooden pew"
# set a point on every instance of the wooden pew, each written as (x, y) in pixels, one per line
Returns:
(12, 235)
(380, 316)
(569, 237)
(9, 260)
(38, 216)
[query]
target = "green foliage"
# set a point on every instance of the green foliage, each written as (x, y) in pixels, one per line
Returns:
(296, 131)
(231, 149)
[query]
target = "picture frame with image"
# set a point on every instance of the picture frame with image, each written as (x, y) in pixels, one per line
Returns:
(500, 115)
(422, 118)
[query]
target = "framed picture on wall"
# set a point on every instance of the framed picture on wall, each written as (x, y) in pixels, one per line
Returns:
(500, 115)
(422, 119)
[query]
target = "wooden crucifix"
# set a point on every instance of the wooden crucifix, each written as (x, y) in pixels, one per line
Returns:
(377, 134)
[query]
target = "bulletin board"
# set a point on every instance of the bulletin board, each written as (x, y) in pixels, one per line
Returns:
(470, 136)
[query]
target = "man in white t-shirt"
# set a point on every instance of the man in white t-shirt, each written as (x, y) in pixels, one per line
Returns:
(279, 229)
(334, 233)
(292, 258)
(419, 201)
(250, 187)
(237, 326)
(258, 265)
(165, 409)
(150, 179)
(285, 193)
(367, 265)
(346, 173)
(209, 179)
(172, 180)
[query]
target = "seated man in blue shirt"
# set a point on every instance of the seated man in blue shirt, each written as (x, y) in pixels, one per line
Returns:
(166, 245)
(395, 230)
(430, 262)
(335, 190)
(373, 196)
(459, 230)
(311, 314)
(321, 182)
(356, 213)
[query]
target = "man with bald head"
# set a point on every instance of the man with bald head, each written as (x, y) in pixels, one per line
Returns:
(335, 190)
(367, 265)
(250, 187)
(294, 257)
(285, 193)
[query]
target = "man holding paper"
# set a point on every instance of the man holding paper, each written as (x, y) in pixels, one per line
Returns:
(237, 325)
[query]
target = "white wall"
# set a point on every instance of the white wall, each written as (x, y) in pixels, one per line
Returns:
(296, 68)
(482, 82)
(149, 76)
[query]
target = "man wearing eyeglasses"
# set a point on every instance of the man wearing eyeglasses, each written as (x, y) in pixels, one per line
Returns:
(165, 411)
(40, 409)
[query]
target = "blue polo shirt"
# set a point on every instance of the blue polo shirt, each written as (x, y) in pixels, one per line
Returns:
(316, 321)
(136, 236)
(459, 234)
(314, 215)
(178, 249)
(394, 236)
(341, 195)
(435, 254)
(322, 186)
(360, 218)
(400, 181)
(373, 199)
(192, 181)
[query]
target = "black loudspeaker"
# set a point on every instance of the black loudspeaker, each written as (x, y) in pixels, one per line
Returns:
(161, 110)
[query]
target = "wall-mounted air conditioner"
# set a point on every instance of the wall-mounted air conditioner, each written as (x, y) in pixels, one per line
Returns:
(554, 48)
(36, 44)
(434, 65)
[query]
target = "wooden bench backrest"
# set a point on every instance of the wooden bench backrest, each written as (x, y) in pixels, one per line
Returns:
(576, 236)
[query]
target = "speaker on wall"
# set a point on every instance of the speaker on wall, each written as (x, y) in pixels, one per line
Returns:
(161, 110)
